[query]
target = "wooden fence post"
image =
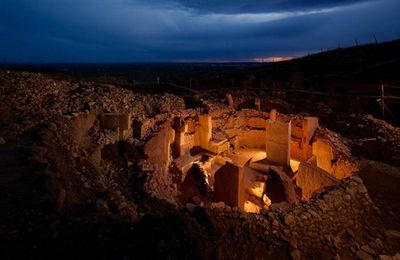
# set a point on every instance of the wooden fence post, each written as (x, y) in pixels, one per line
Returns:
(383, 101)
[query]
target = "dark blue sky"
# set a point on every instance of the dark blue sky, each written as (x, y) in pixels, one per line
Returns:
(191, 30)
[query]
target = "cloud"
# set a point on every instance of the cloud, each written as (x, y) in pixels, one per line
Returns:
(256, 6)
(153, 30)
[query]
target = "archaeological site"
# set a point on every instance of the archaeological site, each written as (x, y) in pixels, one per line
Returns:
(102, 168)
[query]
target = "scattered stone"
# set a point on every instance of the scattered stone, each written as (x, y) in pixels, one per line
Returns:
(350, 233)
(361, 254)
(216, 205)
(196, 200)
(190, 207)
(368, 249)
(295, 254)
(392, 233)
(289, 219)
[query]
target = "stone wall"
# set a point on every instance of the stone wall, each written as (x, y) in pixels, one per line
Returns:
(313, 225)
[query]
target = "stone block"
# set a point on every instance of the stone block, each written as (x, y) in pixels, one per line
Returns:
(299, 152)
(323, 151)
(256, 122)
(297, 132)
(218, 147)
(301, 148)
(256, 189)
(229, 99)
(183, 141)
(229, 185)
(185, 162)
(278, 142)
(310, 125)
(191, 126)
(142, 128)
(251, 207)
(311, 178)
(81, 124)
(121, 121)
(158, 148)
(247, 138)
(203, 137)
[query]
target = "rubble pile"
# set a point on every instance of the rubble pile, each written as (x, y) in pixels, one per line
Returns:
(371, 137)
(66, 116)
(29, 99)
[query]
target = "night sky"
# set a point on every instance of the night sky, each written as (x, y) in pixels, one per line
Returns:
(191, 30)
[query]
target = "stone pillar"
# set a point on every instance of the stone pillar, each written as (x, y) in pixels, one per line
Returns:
(158, 148)
(205, 130)
(278, 142)
(229, 100)
(229, 185)
(272, 114)
(257, 103)
(180, 128)
(309, 125)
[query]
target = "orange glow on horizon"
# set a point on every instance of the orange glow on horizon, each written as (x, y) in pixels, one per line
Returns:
(272, 59)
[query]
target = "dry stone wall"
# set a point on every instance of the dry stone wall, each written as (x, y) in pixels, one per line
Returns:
(314, 225)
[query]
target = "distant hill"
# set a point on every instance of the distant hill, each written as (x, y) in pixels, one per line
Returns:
(366, 64)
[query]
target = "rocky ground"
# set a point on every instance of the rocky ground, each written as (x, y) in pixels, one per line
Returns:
(35, 223)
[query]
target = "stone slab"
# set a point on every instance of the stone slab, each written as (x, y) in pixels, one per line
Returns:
(311, 178)
(278, 141)
(228, 185)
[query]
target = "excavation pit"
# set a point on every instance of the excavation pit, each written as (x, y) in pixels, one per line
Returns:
(246, 159)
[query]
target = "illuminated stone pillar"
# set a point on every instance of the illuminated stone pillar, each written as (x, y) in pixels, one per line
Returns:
(278, 142)
(205, 130)
(272, 114)
(180, 127)
(230, 100)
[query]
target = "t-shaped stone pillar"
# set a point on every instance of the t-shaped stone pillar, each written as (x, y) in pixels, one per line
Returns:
(205, 130)
(229, 185)
(278, 142)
